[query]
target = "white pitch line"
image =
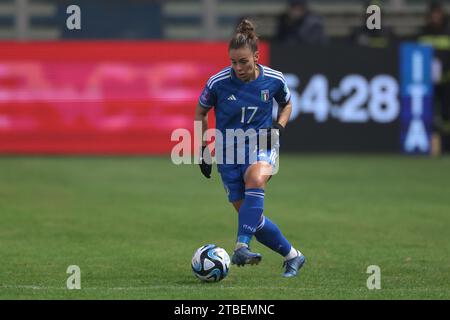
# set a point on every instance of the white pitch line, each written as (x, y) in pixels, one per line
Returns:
(208, 286)
(155, 287)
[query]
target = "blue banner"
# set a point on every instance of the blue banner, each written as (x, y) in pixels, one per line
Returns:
(416, 97)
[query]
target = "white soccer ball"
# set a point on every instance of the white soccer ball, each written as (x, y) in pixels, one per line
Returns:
(210, 263)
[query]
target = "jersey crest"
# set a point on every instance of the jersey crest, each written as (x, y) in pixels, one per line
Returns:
(265, 95)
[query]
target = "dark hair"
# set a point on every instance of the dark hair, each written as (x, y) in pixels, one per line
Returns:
(245, 36)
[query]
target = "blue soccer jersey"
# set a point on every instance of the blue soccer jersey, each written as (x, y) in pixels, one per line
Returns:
(244, 105)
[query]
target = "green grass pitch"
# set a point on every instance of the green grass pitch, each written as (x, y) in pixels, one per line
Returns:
(132, 224)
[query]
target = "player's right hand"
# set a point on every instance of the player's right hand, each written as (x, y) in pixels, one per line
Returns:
(205, 162)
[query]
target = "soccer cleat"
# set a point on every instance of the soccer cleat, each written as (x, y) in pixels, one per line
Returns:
(293, 266)
(243, 256)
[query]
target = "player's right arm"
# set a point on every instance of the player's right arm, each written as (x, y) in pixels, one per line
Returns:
(206, 101)
(201, 115)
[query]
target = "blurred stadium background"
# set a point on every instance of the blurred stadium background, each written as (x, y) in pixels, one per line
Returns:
(363, 172)
(351, 85)
(192, 19)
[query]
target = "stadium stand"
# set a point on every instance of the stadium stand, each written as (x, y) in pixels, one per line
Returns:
(183, 18)
(101, 19)
(194, 19)
(41, 23)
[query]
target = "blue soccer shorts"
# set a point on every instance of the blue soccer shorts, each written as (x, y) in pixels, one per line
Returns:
(233, 174)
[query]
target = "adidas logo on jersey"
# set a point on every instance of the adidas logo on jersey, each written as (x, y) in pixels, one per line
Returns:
(232, 98)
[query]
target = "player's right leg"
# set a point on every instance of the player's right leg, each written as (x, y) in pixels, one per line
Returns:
(235, 188)
(250, 211)
(242, 254)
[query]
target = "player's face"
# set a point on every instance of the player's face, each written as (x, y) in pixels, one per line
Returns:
(243, 62)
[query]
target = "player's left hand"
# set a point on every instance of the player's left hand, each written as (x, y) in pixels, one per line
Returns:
(274, 134)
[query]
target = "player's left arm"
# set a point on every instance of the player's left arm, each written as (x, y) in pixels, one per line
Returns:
(283, 98)
(284, 112)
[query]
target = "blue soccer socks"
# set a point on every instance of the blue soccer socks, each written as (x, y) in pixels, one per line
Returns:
(270, 235)
(250, 214)
(252, 222)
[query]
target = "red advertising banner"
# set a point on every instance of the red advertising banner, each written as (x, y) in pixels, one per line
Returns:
(102, 97)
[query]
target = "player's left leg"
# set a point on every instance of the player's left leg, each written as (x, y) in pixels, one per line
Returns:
(266, 231)
(270, 235)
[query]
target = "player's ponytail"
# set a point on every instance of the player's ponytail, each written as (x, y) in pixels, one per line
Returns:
(245, 36)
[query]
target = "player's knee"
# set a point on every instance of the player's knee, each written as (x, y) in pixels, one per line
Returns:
(256, 182)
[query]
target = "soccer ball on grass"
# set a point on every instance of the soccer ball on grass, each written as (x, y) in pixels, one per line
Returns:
(210, 263)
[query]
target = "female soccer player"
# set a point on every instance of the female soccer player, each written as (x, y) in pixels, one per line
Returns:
(242, 96)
